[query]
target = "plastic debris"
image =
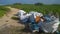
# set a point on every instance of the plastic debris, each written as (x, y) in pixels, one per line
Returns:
(50, 27)
(34, 27)
(36, 14)
(46, 23)
(23, 16)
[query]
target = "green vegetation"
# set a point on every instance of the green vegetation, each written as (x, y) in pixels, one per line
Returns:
(3, 10)
(45, 9)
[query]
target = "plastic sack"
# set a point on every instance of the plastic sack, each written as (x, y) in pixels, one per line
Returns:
(34, 27)
(21, 12)
(36, 14)
(47, 18)
(23, 16)
(32, 19)
(50, 27)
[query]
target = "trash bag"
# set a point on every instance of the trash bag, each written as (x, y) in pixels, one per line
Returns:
(36, 14)
(47, 18)
(20, 13)
(50, 24)
(53, 18)
(40, 24)
(34, 27)
(49, 27)
(32, 19)
(23, 16)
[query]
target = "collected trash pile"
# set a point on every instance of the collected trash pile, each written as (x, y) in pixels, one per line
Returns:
(37, 21)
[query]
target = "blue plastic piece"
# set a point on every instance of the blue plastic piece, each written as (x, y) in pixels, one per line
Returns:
(34, 27)
(47, 18)
(32, 19)
(25, 20)
(40, 23)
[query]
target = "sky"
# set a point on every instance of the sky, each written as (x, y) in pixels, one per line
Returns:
(30, 1)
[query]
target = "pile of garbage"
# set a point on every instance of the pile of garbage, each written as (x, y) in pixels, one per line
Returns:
(37, 21)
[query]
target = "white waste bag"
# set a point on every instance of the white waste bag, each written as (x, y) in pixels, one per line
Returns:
(23, 16)
(50, 27)
(21, 12)
(36, 14)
